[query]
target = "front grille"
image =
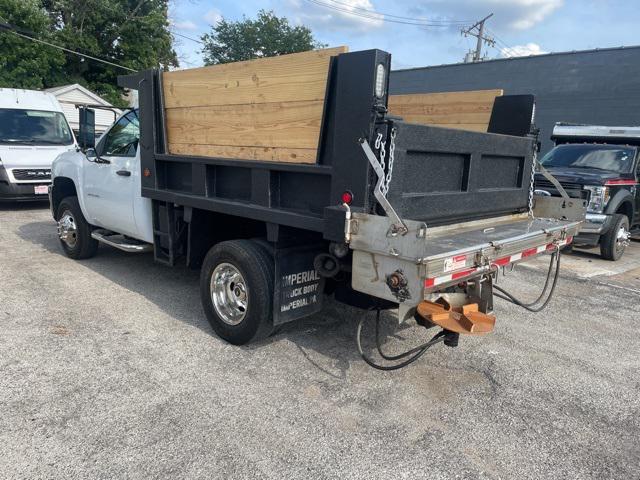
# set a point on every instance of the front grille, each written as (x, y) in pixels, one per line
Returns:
(574, 190)
(32, 174)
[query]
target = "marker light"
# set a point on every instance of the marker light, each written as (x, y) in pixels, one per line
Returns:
(347, 197)
(380, 81)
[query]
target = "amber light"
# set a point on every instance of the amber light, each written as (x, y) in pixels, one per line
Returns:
(146, 172)
(347, 197)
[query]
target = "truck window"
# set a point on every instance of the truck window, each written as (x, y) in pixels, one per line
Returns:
(612, 158)
(34, 127)
(122, 139)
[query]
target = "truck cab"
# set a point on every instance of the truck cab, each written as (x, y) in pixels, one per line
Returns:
(603, 164)
(108, 179)
(33, 132)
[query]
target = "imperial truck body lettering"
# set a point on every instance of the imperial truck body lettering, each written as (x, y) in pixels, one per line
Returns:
(298, 278)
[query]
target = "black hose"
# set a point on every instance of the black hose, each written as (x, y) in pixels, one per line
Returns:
(555, 261)
(417, 352)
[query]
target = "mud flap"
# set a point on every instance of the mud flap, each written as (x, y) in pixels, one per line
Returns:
(299, 289)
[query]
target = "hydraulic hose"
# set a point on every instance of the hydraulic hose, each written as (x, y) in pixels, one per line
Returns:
(413, 354)
(532, 306)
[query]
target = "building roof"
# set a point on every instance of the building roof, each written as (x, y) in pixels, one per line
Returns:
(63, 89)
(526, 57)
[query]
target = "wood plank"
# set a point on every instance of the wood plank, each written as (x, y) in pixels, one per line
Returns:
(296, 77)
(470, 110)
(273, 154)
(284, 124)
(446, 98)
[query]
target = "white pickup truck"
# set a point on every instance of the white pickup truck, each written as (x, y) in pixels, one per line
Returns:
(101, 188)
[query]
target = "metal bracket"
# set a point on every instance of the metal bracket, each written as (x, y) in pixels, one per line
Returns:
(554, 181)
(398, 226)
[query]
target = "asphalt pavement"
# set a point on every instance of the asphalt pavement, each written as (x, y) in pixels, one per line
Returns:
(108, 369)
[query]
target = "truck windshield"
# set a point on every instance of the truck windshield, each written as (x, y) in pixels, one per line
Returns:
(34, 127)
(614, 158)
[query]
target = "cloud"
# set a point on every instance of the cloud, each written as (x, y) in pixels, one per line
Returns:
(185, 25)
(213, 16)
(336, 15)
(522, 50)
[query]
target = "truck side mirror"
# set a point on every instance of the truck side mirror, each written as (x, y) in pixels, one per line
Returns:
(87, 120)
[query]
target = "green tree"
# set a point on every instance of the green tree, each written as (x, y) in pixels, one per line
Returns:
(131, 33)
(23, 63)
(266, 36)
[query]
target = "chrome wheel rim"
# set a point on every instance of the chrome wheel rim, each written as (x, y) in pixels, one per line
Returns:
(229, 293)
(622, 238)
(67, 229)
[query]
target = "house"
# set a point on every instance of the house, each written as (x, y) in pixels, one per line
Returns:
(74, 95)
(597, 87)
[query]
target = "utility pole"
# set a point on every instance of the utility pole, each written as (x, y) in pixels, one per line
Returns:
(477, 30)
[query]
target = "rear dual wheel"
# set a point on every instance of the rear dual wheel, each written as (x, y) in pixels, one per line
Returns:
(236, 289)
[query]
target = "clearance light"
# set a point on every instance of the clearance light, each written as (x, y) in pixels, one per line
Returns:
(380, 80)
(347, 197)
(146, 172)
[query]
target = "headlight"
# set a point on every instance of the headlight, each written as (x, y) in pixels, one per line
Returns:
(598, 198)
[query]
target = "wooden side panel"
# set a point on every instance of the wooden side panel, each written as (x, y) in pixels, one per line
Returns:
(470, 110)
(267, 109)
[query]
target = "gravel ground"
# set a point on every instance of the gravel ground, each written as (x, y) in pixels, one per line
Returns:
(109, 370)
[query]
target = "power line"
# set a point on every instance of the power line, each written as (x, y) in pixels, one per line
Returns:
(369, 14)
(13, 29)
(188, 38)
(400, 17)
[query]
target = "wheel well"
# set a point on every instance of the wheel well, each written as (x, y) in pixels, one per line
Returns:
(626, 209)
(62, 187)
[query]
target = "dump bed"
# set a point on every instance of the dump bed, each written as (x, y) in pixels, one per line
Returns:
(439, 175)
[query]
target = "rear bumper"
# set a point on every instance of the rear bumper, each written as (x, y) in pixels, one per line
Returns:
(11, 192)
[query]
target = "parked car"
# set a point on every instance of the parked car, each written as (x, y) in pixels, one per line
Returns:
(603, 163)
(33, 132)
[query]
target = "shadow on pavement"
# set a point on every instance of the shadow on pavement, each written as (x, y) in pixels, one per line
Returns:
(30, 205)
(330, 333)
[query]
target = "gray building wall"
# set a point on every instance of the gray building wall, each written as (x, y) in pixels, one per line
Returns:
(595, 86)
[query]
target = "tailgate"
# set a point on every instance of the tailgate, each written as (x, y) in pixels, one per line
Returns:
(406, 268)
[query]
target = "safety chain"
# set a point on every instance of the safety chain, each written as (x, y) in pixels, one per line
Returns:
(382, 149)
(533, 179)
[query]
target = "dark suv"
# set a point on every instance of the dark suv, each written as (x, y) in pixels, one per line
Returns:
(603, 165)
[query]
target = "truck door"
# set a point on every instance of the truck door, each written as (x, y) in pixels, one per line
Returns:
(112, 179)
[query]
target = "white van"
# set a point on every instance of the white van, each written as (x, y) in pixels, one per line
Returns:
(33, 132)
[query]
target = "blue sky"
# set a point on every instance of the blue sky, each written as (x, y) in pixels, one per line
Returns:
(525, 26)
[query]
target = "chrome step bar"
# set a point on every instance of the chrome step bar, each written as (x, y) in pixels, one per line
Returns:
(118, 241)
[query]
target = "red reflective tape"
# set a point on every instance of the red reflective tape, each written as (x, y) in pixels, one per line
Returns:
(529, 252)
(620, 181)
(501, 262)
(429, 282)
(463, 273)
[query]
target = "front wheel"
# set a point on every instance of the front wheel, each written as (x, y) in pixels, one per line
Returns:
(74, 231)
(614, 242)
(236, 289)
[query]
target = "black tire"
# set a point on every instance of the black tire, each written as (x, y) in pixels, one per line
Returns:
(256, 268)
(83, 246)
(610, 247)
